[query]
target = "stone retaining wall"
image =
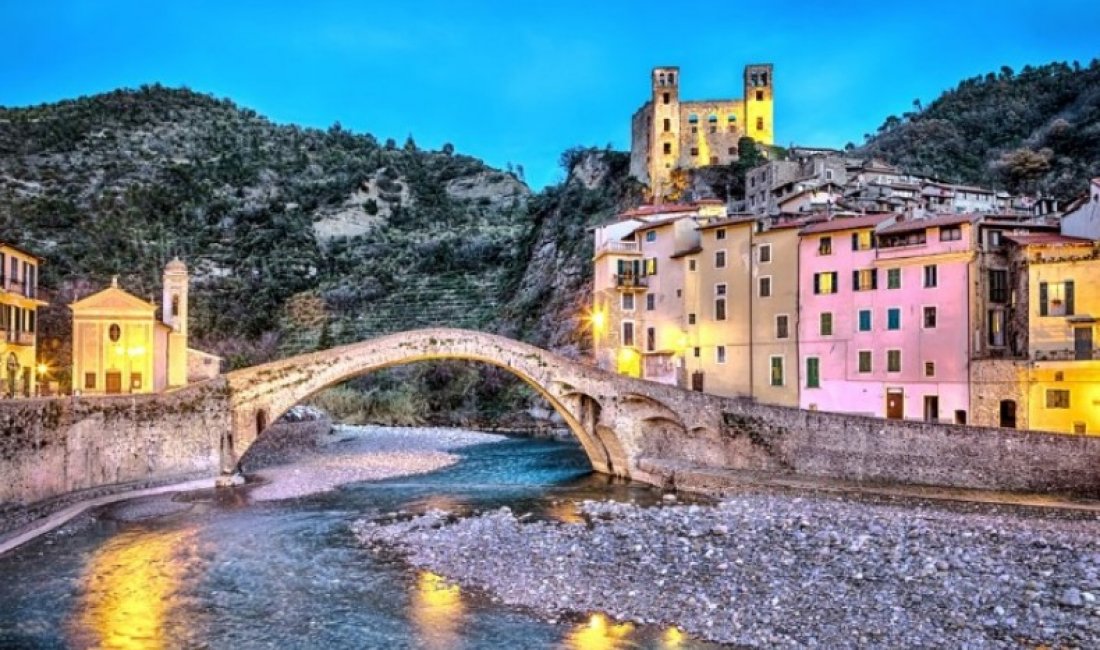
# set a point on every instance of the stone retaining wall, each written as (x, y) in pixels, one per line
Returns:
(53, 446)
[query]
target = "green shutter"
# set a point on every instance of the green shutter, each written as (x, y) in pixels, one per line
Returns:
(817, 283)
(874, 278)
(855, 280)
(1042, 298)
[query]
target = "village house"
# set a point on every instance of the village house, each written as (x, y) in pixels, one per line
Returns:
(19, 303)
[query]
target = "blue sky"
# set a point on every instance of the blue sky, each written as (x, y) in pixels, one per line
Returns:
(521, 81)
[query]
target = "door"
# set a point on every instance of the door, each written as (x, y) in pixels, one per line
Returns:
(1082, 343)
(895, 403)
(1008, 414)
(697, 381)
(931, 408)
(114, 381)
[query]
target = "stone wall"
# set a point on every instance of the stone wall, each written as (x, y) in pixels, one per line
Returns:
(52, 446)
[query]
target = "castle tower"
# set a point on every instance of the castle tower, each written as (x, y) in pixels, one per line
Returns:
(664, 132)
(174, 314)
(759, 123)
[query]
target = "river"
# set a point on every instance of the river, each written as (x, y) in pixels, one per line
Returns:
(232, 573)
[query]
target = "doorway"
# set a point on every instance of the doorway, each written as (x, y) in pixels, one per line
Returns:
(697, 381)
(113, 382)
(1008, 414)
(895, 403)
(931, 408)
(1082, 343)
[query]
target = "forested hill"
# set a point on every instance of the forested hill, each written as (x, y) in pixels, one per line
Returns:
(1033, 130)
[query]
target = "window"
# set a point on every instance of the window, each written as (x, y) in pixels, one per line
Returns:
(931, 408)
(693, 118)
(951, 233)
(862, 241)
(865, 361)
(825, 323)
(1056, 298)
(813, 372)
(720, 233)
(765, 286)
(650, 339)
(929, 368)
(765, 253)
(893, 318)
(651, 235)
(175, 305)
(720, 289)
(695, 151)
(760, 96)
(996, 327)
(651, 266)
(664, 99)
(114, 332)
(865, 320)
(864, 279)
(759, 124)
(931, 277)
(782, 326)
(628, 333)
(89, 381)
(893, 278)
(825, 283)
(825, 246)
(719, 259)
(668, 125)
(691, 265)
(893, 361)
(719, 309)
(828, 174)
(696, 352)
(650, 302)
(135, 381)
(668, 148)
(628, 302)
(720, 354)
(777, 371)
(929, 318)
(1079, 427)
(998, 285)
(691, 319)
(995, 238)
(1057, 398)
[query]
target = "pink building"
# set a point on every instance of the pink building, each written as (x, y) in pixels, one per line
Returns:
(884, 321)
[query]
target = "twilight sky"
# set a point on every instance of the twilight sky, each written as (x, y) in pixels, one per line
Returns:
(521, 81)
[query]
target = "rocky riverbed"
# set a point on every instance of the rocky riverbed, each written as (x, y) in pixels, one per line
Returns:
(347, 454)
(784, 570)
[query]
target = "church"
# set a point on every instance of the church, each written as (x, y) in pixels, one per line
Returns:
(120, 346)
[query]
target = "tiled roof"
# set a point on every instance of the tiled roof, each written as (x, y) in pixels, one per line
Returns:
(846, 223)
(728, 221)
(22, 250)
(910, 225)
(1049, 238)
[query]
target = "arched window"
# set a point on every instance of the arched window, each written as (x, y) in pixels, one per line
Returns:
(712, 118)
(693, 118)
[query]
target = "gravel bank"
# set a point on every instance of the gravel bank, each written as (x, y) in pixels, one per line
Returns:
(778, 570)
(364, 453)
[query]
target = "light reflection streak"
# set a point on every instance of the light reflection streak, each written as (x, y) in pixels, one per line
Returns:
(437, 612)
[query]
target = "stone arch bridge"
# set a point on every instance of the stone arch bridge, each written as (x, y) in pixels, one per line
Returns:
(628, 427)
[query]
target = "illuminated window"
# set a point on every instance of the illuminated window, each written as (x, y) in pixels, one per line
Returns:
(651, 266)
(1057, 398)
(135, 381)
(893, 361)
(1056, 298)
(825, 323)
(865, 279)
(996, 327)
(825, 283)
(861, 241)
(930, 318)
(865, 361)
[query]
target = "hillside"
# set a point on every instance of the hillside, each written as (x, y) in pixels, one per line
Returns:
(1035, 130)
(298, 238)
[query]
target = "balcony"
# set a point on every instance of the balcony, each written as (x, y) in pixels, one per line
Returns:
(1067, 355)
(18, 286)
(631, 281)
(619, 247)
(19, 338)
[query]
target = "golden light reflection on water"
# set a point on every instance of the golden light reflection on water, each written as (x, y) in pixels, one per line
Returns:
(565, 512)
(131, 585)
(437, 611)
(599, 634)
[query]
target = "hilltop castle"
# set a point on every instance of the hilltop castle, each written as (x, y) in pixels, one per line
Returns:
(669, 134)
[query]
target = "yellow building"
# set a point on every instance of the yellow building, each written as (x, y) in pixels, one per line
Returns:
(119, 345)
(1063, 307)
(776, 375)
(19, 303)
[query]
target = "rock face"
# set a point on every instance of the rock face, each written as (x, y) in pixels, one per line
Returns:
(491, 187)
(774, 570)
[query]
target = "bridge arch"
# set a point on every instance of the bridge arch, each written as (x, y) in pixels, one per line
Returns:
(260, 395)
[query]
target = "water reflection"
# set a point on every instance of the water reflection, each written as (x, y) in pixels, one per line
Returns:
(437, 611)
(599, 634)
(132, 584)
(566, 512)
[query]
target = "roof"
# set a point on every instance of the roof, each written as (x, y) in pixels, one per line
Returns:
(938, 221)
(846, 223)
(665, 208)
(176, 266)
(22, 250)
(1049, 239)
(728, 221)
(688, 251)
(114, 299)
(650, 225)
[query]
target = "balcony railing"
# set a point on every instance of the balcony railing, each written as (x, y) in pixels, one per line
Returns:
(19, 286)
(1067, 355)
(613, 246)
(19, 338)
(630, 281)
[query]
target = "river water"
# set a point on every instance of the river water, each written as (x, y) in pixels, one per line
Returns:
(232, 573)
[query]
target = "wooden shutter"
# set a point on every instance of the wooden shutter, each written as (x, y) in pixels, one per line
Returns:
(1042, 298)
(817, 283)
(1069, 297)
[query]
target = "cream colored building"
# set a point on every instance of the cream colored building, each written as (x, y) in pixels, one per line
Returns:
(120, 346)
(19, 303)
(776, 375)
